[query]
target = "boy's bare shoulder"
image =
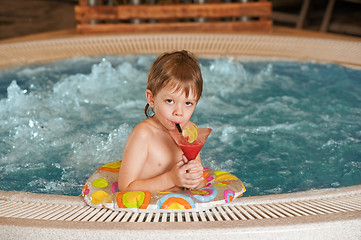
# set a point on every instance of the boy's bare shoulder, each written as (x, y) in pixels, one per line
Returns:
(145, 129)
(142, 129)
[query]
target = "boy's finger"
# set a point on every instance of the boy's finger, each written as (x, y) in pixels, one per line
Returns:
(180, 163)
(185, 159)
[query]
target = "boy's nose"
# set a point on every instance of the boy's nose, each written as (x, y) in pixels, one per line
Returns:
(178, 111)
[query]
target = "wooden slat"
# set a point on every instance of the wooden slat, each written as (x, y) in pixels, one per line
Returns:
(264, 18)
(211, 10)
(249, 26)
(83, 2)
(167, 17)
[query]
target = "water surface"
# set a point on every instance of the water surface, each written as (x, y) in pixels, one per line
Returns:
(279, 126)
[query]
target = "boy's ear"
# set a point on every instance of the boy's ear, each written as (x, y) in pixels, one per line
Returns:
(150, 98)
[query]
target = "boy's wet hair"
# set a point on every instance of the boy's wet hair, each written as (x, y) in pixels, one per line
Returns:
(179, 70)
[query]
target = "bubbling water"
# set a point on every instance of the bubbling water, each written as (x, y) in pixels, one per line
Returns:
(278, 126)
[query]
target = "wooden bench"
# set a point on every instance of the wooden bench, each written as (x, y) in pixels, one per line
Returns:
(174, 17)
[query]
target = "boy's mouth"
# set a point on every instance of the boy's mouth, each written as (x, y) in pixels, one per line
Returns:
(174, 124)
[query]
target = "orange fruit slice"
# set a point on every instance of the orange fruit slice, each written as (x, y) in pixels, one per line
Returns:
(190, 133)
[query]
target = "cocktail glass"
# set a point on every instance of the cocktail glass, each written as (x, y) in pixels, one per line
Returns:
(191, 150)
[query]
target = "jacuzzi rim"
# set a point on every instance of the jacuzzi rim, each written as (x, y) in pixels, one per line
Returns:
(344, 224)
(313, 194)
(240, 46)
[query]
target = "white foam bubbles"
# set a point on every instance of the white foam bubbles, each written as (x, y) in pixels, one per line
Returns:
(227, 134)
(66, 124)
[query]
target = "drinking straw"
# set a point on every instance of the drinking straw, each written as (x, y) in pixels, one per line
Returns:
(178, 127)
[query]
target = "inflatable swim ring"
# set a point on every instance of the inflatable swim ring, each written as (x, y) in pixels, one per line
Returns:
(101, 191)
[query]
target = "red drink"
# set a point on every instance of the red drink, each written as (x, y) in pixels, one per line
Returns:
(191, 150)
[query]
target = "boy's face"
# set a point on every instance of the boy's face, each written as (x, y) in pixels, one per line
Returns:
(172, 106)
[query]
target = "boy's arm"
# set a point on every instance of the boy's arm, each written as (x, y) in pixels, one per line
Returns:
(161, 182)
(181, 175)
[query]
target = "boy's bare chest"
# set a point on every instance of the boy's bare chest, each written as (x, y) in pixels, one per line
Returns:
(162, 156)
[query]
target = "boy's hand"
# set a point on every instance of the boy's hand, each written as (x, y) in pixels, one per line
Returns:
(202, 183)
(188, 174)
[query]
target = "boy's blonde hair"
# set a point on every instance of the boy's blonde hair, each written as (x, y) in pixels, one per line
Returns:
(179, 70)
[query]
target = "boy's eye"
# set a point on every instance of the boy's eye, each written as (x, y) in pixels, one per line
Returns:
(169, 101)
(189, 103)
